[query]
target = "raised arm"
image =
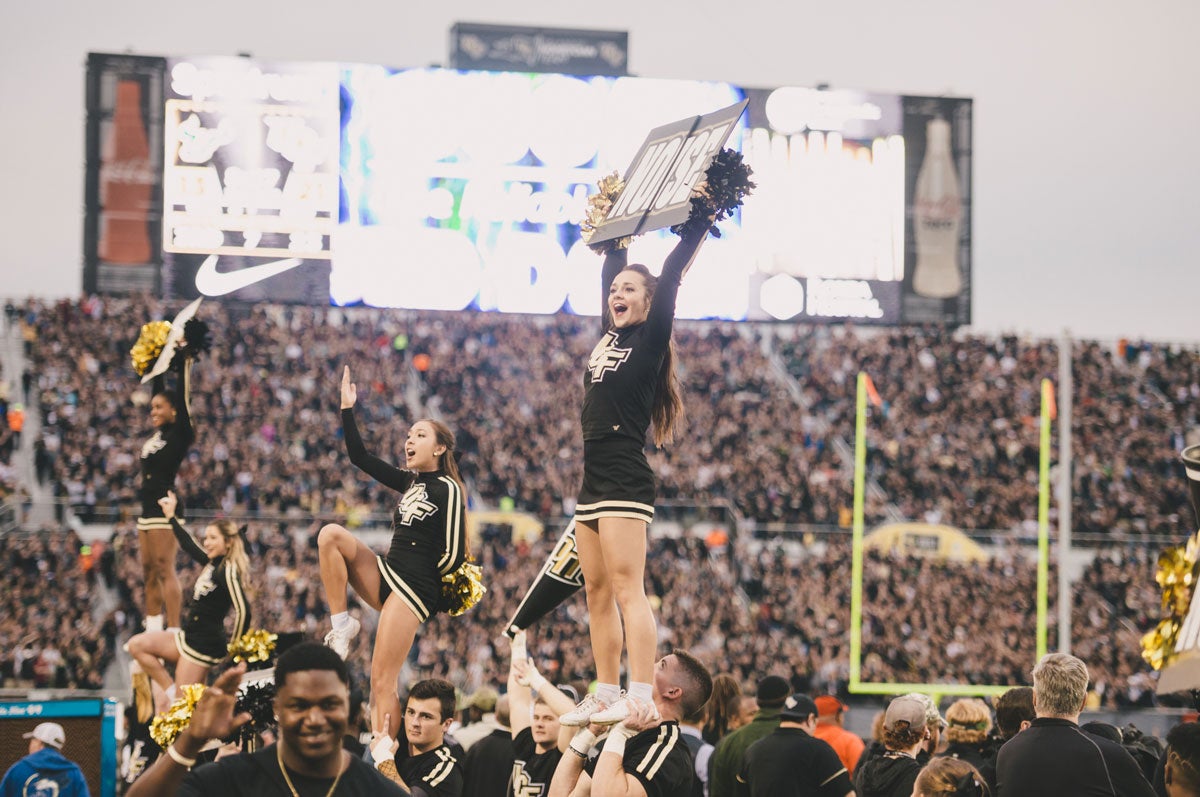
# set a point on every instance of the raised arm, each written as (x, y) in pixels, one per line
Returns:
(384, 473)
(662, 308)
(186, 541)
(183, 400)
(213, 718)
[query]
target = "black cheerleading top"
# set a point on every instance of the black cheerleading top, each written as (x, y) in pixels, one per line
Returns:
(165, 450)
(620, 380)
(218, 589)
(428, 521)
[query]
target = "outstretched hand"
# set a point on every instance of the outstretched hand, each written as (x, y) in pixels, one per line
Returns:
(349, 390)
(213, 717)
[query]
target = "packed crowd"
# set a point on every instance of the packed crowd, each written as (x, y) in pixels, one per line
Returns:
(49, 637)
(953, 439)
(754, 613)
(954, 436)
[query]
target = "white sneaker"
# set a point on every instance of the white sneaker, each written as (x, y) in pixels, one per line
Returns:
(615, 713)
(583, 713)
(339, 639)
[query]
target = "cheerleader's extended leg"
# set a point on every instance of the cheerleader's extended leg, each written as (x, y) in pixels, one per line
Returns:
(345, 560)
(151, 649)
(604, 621)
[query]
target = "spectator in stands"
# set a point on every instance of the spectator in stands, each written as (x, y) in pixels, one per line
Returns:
(1014, 711)
(480, 708)
(488, 763)
(950, 777)
(1181, 776)
(44, 770)
(905, 734)
(831, 729)
(790, 760)
(1053, 756)
(729, 753)
(724, 708)
(968, 727)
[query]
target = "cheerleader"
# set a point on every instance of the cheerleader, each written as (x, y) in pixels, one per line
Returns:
(629, 383)
(428, 542)
(202, 641)
(160, 459)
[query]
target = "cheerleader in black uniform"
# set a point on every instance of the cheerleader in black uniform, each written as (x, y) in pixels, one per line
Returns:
(161, 455)
(428, 542)
(629, 383)
(202, 642)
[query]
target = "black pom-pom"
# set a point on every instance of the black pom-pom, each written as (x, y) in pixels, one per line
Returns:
(197, 336)
(258, 701)
(197, 340)
(727, 184)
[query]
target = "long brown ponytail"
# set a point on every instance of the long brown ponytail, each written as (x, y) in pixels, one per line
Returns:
(449, 463)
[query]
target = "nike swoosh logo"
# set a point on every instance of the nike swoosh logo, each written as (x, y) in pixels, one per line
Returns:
(211, 282)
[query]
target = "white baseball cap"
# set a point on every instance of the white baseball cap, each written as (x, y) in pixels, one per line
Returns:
(50, 733)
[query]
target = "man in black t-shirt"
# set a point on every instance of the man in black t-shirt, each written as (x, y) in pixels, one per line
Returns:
(535, 706)
(790, 761)
(645, 755)
(313, 705)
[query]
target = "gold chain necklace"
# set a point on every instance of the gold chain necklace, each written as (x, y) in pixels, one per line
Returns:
(288, 780)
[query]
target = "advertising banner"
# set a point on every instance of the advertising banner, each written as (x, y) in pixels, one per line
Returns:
(123, 173)
(250, 179)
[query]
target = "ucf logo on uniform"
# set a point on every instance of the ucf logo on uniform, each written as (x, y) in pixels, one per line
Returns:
(415, 505)
(606, 357)
(522, 786)
(204, 583)
(153, 445)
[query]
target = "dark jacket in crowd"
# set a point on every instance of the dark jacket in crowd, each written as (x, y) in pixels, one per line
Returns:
(1053, 757)
(887, 775)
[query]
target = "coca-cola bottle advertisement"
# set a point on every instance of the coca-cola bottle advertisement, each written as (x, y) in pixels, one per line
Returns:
(937, 279)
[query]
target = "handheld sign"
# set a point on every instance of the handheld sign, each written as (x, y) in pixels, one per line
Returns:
(658, 185)
(168, 353)
(560, 578)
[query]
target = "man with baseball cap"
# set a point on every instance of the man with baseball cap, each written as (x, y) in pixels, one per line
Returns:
(45, 770)
(831, 719)
(790, 761)
(904, 733)
(726, 760)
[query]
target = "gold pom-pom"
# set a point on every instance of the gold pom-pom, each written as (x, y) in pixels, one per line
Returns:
(149, 345)
(463, 588)
(167, 726)
(254, 646)
(599, 206)
(1176, 575)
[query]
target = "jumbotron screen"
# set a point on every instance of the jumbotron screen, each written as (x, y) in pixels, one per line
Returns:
(439, 189)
